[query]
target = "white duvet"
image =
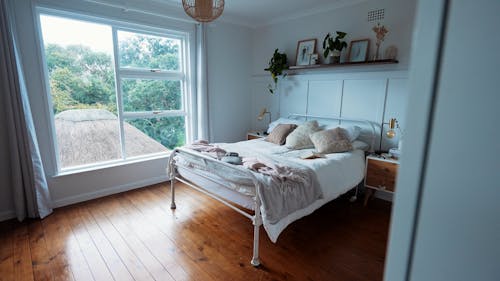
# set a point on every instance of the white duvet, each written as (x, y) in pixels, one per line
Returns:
(336, 173)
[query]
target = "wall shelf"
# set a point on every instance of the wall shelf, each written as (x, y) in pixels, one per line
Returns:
(344, 64)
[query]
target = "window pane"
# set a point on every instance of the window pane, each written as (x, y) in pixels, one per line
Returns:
(147, 51)
(82, 86)
(153, 135)
(151, 95)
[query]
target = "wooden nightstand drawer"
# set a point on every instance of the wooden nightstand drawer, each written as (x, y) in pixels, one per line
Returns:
(381, 174)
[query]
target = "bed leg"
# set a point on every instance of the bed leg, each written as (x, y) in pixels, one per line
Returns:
(172, 191)
(256, 226)
(355, 196)
(255, 259)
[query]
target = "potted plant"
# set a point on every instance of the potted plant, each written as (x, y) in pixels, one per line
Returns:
(277, 64)
(333, 47)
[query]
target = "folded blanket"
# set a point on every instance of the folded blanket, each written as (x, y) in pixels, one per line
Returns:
(283, 188)
(207, 148)
(278, 172)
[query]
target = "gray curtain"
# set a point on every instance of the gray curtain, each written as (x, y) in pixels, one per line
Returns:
(28, 182)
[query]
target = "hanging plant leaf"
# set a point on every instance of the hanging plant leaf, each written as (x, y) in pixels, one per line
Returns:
(277, 65)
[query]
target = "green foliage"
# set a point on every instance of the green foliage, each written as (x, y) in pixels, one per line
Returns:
(151, 95)
(149, 52)
(168, 131)
(81, 78)
(330, 45)
(277, 64)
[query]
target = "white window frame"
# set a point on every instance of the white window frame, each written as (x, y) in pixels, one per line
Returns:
(185, 75)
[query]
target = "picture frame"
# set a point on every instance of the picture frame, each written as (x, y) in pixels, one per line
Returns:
(314, 59)
(305, 48)
(358, 50)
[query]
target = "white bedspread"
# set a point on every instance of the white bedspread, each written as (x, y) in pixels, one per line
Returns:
(336, 173)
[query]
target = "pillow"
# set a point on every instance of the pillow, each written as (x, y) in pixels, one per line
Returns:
(275, 123)
(351, 131)
(330, 141)
(299, 138)
(280, 132)
(361, 145)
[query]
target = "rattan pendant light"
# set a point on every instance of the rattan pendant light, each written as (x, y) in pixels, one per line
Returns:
(203, 10)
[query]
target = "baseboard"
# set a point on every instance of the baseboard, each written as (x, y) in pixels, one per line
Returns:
(106, 191)
(383, 195)
(7, 215)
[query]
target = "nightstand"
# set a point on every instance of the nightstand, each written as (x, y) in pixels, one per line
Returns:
(255, 135)
(380, 175)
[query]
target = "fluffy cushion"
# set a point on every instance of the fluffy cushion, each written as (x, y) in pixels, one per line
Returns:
(352, 131)
(280, 132)
(330, 141)
(275, 123)
(299, 138)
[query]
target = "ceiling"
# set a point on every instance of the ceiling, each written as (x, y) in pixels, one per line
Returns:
(256, 13)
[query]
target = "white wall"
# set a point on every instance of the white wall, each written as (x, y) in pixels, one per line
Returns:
(445, 223)
(373, 96)
(352, 19)
(457, 233)
(229, 95)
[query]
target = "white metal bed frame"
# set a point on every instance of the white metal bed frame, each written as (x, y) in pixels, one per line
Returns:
(256, 218)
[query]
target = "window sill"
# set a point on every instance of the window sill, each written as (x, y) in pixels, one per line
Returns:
(111, 164)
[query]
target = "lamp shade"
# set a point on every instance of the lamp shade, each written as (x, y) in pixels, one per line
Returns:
(203, 10)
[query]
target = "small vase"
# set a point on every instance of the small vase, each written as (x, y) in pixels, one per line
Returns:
(377, 56)
(334, 57)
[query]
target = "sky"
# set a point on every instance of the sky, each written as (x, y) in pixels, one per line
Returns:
(66, 32)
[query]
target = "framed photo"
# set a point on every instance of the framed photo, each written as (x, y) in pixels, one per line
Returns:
(358, 51)
(305, 48)
(314, 59)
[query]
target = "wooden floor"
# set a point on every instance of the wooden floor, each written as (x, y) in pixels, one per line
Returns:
(135, 236)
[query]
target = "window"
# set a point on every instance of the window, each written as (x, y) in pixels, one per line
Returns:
(116, 93)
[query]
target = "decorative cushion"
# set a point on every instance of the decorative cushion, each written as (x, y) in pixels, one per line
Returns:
(280, 132)
(299, 138)
(352, 131)
(330, 141)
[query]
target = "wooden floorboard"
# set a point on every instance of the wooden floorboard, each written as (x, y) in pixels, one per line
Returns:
(135, 236)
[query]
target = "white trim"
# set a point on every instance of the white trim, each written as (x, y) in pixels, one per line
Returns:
(428, 29)
(386, 196)
(154, 114)
(47, 96)
(150, 74)
(7, 215)
(111, 164)
(82, 7)
(120, 73)
(106, 191)
(118, 91)
(10, 214)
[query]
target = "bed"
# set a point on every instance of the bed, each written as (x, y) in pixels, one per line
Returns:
(266, 199)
